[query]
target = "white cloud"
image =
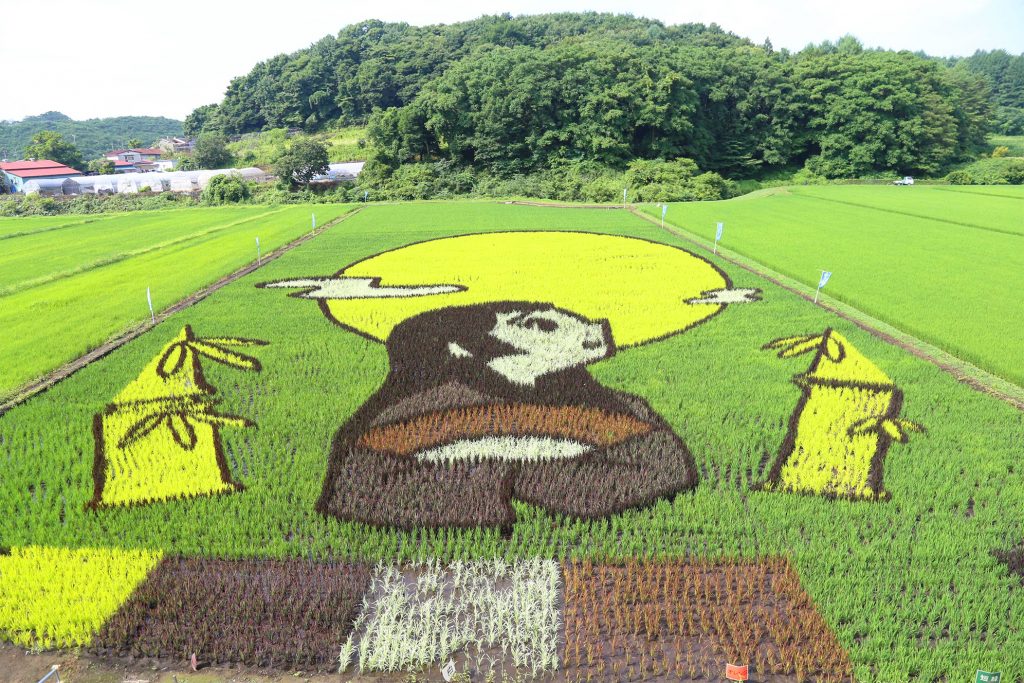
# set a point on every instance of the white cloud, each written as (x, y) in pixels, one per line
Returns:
(118, 57)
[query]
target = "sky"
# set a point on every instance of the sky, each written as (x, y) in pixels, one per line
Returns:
(124, 57)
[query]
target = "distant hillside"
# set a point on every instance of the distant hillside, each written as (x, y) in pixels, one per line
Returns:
(510, 96)
(92, 136)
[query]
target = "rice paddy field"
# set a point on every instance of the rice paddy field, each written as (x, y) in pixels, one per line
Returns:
(541, 443)
(941, 263)
(68, 283)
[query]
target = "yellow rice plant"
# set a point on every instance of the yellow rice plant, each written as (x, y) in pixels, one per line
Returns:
(843, 425)
(59, 597)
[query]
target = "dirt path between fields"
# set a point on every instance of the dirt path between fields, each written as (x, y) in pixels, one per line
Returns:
(27, 391)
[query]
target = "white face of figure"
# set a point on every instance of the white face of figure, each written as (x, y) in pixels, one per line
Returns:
(548, 340)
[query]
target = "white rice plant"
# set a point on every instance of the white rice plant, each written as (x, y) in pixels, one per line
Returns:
(408, 624)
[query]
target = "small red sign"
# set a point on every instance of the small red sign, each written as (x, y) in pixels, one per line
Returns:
(735, 672)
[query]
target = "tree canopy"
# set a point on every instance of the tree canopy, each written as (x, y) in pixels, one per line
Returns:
(300, 162)
(1005, 74)
(210, 152)
(48, 144)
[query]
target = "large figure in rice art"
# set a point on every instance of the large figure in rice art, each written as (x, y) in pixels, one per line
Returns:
(488, 397)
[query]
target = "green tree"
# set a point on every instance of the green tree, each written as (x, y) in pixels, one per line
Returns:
(134, 143)
(48, 144)
(201, 118)
(226, 189)
(672, 181)
(875, 112)
(101, 166)
(300, 161)
(211, 151)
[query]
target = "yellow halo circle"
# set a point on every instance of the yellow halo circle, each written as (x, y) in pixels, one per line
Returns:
(641, 287)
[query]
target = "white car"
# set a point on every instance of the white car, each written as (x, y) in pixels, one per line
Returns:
(905, 180)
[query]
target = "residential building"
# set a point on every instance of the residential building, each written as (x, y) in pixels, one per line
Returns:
(176, 145)
(17, 173)
(134, 155)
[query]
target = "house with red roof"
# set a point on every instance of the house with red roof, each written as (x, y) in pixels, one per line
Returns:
(17, 173)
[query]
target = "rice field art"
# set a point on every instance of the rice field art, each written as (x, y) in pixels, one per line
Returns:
(487, 397)
(514, 443)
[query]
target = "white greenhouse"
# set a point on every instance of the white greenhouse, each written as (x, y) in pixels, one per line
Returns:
(131, 183)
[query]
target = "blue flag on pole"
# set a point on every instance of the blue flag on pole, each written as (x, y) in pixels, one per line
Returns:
(718, 233)
(664, 210)
(825, 275)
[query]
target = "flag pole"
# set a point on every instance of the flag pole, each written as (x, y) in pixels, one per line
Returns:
(822, 281)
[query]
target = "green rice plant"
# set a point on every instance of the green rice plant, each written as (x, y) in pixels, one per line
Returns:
(75, 308)
(34, 259)
(915, 257)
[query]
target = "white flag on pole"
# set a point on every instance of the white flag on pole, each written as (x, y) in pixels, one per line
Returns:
(718, 233)
(825, 275)
(149, 300)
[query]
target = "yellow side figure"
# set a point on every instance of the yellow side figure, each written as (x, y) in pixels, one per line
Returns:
(160, 436)
(843, 425)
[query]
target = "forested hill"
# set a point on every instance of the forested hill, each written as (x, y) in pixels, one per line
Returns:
(509, 96)
(93, 137)
(1006, 74)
